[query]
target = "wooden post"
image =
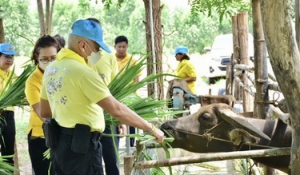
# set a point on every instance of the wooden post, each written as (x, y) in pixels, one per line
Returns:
(229, 79)
(128, 164)
(242, 19)
(236, 58)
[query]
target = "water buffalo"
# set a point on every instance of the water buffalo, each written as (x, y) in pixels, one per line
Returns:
(216, 128)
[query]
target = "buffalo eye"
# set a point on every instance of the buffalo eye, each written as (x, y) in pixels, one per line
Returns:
(205, 117)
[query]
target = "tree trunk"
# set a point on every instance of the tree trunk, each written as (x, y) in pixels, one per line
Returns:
(156, 11)
(50, 17)
(2, 38)
(297, 21)
(285, 60)
(47, 26)
(41, 17)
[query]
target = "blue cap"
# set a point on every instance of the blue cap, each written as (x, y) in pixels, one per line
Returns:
(91, 30)
(7, 49)
(181, 49)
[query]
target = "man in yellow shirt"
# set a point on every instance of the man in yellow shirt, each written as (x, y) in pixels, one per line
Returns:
(107, 68)
(123, 58)
(7, 123)
(74, 95)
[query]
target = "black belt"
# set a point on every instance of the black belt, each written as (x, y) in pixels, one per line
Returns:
(69, 131)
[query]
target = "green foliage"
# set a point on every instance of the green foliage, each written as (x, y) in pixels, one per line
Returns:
(225, 8)
(13, 95)
(121, 17)
(17, 24)
(6, 168)
(122, 88)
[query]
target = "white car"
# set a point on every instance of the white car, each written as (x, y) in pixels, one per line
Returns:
(220, 55)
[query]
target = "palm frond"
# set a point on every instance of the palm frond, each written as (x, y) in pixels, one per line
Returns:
(6, 168)
(122, 88)
(13, 93)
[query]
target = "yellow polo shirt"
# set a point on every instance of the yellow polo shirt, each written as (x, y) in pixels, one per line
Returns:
(106, 67)
(186, 69)
(73, 89)
(123, 62)
(32, 92)
(4, 76)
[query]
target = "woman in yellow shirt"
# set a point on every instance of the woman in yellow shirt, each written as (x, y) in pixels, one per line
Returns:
(44, 52)
(185, 68)
(7, 123)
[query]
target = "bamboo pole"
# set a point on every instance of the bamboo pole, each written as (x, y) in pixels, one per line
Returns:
(213, 157)
(260, 62)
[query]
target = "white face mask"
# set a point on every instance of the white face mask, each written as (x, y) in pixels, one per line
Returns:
(43, 66)
(94, 57)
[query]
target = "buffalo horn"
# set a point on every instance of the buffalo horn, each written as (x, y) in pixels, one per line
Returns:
(239, 122)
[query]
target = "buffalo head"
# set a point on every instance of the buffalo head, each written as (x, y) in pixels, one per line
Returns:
(216, 128)
(211, 128)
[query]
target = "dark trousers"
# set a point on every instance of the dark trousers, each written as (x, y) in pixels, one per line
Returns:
(8, 134)
(67, 162)
(132, 131)
(40, 164)
(109, 153)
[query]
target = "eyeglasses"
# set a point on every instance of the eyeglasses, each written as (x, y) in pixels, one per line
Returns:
(178, 54)
(46, 60)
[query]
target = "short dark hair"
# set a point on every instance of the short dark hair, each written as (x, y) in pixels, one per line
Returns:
(120, 39)
(61, 40)
(43, 42)
(185, 57)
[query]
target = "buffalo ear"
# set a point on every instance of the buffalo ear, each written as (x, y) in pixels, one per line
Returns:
(239, 122)
(238, 136)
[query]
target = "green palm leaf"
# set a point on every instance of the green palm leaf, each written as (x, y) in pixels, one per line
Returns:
(13, 95)
(122, 88)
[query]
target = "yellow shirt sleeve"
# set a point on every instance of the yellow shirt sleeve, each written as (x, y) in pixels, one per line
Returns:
(43, 94)
(32, 92)
(190, 70)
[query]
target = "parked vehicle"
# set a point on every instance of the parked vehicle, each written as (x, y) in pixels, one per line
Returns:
(220, 55)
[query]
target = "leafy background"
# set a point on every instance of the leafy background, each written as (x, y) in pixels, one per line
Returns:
(180, 27)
